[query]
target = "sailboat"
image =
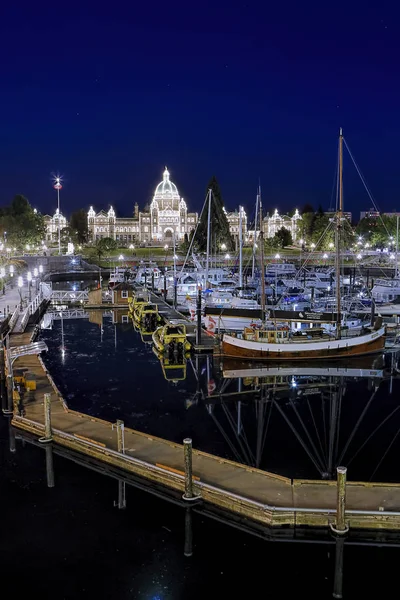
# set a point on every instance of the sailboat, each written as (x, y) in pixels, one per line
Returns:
(282, 344)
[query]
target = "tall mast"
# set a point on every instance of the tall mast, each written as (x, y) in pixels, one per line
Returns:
(339, 216)
(240, 249)
(397, 246)
(208, 236)
(261, 238)
(255, 239)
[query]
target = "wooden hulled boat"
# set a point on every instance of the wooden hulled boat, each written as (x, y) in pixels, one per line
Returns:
(274, 344)
(281, 345)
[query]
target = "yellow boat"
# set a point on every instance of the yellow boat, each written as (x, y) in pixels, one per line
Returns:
(145, 315)
(174, 369)
(139, 297)
(171, 339)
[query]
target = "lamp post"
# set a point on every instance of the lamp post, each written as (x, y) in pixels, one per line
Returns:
(2, 275)
(20, 284)
(58, 186)
(29, 278)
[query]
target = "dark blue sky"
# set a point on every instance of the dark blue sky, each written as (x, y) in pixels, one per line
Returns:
(108, 93)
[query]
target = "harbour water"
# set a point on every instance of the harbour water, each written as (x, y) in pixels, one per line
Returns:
(71, 541)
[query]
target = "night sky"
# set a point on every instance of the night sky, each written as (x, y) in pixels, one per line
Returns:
(108, 93)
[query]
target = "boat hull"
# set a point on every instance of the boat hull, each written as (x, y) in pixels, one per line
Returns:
(332, 349)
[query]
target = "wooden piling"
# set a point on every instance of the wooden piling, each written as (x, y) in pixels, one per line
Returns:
(47, 420)
(338, 574)
(187, 453)
(340, 525)
(120, 436)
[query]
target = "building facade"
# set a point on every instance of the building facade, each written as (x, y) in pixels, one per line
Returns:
(167, 219)
(271, 225)
(52, 224)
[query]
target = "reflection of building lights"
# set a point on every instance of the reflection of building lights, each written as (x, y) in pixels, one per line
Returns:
(35, 272)
(29, 276)
(20, 282)
(166, 247)
(40, 269)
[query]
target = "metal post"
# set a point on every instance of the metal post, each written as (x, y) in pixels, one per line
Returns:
(187, 452)
(145, 277)
(338, 575)
(10, 400)
(49, 466)
(165, 284)
(188, 550)
(175, 291)
(340, 526)
(47, 420)
(152, 281)
(120, 436)
(198, 312)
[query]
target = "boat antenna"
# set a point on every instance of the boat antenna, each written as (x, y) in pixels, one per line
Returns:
(339, 217)
(262, 270)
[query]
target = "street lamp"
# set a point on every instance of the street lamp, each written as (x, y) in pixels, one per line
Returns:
(359, 256)
(312, 246)
(36, 274)
(58, 186)
(331, 244)
(29, 278)
(325, 256)
(227, 256)
(223, 247)
(20, 284)
(277, 255)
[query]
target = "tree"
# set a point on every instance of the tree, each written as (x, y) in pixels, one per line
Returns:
(104, 245)
(307, 208)
(20, 224)
(283, 237)
(79, 225)
(219, 223)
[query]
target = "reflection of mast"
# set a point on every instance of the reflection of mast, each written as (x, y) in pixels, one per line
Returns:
(310, 405)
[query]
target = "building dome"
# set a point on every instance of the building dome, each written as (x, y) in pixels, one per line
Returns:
(166, 190)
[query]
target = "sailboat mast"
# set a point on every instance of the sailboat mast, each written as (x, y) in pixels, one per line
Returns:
(240, 248)
(208, 236)
(255, 240)
(396, 271)
(339, 217)
(261, 238)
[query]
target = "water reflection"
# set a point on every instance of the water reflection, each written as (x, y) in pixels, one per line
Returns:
(299, 421)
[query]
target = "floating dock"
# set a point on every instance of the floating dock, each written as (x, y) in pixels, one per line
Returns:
(249, 493)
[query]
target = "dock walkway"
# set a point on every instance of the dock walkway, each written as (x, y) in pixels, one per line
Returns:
(263, 497)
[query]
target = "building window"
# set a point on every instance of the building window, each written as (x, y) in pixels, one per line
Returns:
(125, 319)
(124, 294)
(146, 229)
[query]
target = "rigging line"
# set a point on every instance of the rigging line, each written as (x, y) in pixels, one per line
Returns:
(373, 433)
(340, 394)
(313, 446)
(194, 235)
(299, 438)
(364, 183)
(315, 426)
(356, 426)
(324, 423)
(226, 437)
(249, 458)
(270, 405)
(385, 453)
(334, 187)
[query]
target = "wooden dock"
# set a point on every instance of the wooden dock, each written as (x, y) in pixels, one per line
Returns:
(250, 493)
